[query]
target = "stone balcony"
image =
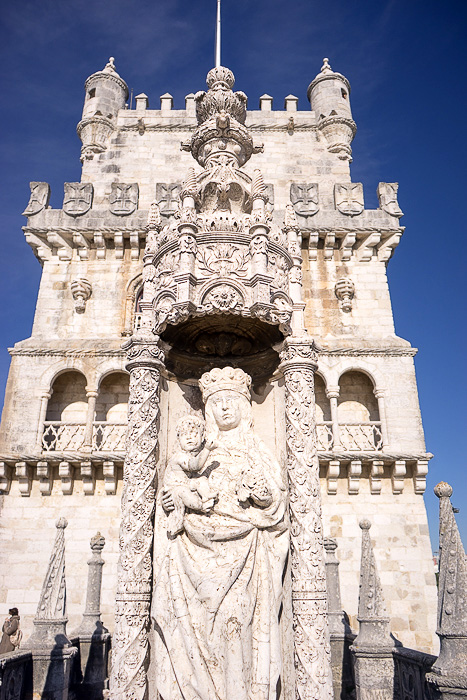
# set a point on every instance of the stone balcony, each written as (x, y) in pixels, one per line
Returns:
(58, 436)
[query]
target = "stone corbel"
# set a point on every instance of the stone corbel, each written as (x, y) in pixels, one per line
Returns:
(100, 244)
(332, 476)
(87, 475)
(82, 244)
(313, 246)
(41, 247)
(355, 472)
(388, 245)
(44, 472)
(110, 478)
(118, 242)
(347, 244)
(64, 249)
(366, 246)
(23, 474)
(329, 241)
(134, 245)
(5, 477)
(81, 290)
(65, 472)
(376, 473)
(420, 474)
(399, 471)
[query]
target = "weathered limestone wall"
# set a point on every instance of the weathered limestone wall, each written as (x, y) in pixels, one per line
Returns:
(27, 531)
(403, 556)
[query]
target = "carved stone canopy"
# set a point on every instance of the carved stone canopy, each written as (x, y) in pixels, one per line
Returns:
(217, 341)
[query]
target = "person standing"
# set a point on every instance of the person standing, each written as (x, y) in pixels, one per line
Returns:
(11, 636)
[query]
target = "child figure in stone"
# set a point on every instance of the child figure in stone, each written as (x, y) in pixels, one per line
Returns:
(182, 477)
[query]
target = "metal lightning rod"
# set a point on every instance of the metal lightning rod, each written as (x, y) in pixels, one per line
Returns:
(218, 34)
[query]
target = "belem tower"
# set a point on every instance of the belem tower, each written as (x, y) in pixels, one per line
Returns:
(214, 385)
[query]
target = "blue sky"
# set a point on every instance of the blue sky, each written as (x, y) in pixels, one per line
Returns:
(406, 63)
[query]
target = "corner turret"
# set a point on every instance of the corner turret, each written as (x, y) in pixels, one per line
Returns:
(329, 95)
(106, 94)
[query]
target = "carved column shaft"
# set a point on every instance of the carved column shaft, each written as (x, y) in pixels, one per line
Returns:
(42, 414)
(333, 395)
(130, 641)
(92, 399)
(382, 416)
(312, 650)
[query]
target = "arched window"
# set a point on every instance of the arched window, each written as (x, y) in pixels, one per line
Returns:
(65, 419)
(357, 412)
(111, 419)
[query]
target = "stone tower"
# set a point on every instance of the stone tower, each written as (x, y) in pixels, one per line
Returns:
(273, 243)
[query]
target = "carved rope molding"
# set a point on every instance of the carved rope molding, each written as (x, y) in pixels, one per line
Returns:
(130, 641)
(312, 649)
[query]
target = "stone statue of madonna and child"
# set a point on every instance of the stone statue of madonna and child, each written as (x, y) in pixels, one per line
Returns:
(221, 544)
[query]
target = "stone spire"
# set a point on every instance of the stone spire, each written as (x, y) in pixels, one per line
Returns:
(372, 615)
(450, 668)
(50, 621)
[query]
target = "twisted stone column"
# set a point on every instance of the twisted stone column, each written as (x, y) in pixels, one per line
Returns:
(312, 649)
(130, 641)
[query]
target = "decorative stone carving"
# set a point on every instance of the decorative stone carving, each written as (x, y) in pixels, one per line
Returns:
(168, 197)
(165, 270)
(223, 260)
(449, 676)
(39, 198)
(78, 198)
(312, 651)
(344, 290)
(304, 198)
(387, 196)
(226, 562)
(349, 198)
(224, 298)
(81, 290)
(130, 640)
(123, 198)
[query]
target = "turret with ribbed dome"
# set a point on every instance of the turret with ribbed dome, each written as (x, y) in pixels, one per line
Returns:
(106, 94)
(329, 97)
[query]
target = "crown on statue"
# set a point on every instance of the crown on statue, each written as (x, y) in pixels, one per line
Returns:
(226, 378)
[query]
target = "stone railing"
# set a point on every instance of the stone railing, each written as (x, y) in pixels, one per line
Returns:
(59, 437)
(361, 436)
(354, 437)
(108, 437)
(62, 437)
(325, 436)
(410, 669)
(16, 675)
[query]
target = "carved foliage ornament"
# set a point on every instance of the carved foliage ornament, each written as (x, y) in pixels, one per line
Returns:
(223, 298)
(39, 199)
(78, 198)
(304, 198)
(223, 259)
(123, 198)
(349, 198)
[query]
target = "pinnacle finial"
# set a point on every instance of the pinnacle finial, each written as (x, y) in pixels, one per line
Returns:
(443, 490)
(110, 66)
(326, 68)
